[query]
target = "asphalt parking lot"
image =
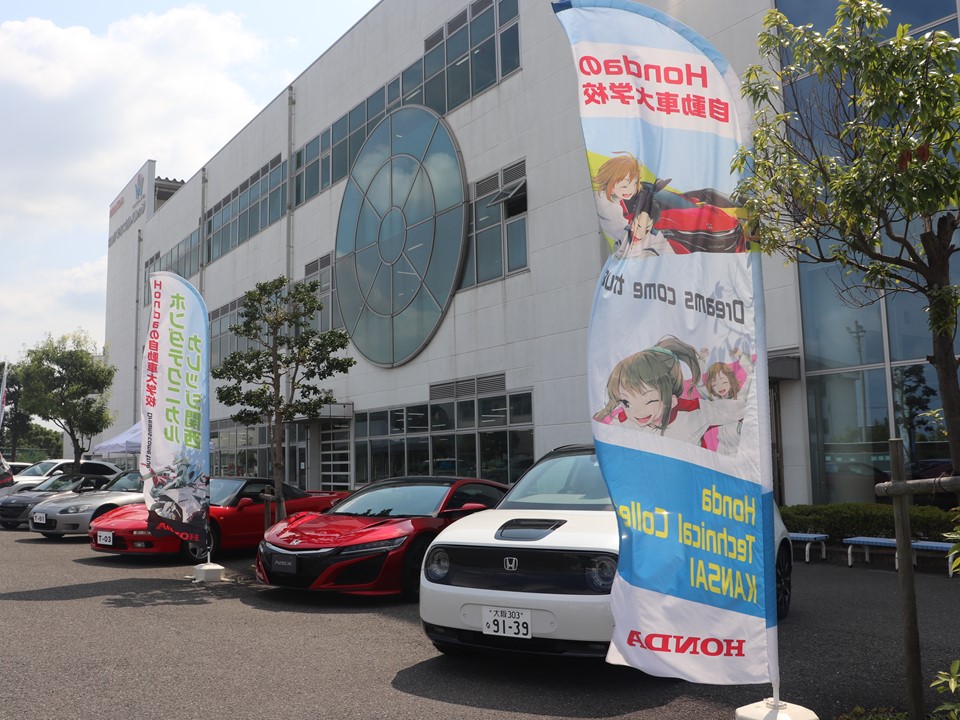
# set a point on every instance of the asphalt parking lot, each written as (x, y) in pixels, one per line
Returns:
(91, 636)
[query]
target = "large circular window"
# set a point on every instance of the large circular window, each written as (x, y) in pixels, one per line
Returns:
(400, 236)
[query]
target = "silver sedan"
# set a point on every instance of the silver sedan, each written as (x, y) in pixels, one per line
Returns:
(71, 514)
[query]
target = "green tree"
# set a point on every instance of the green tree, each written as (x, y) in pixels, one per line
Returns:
(66, 382)
(274, 379)
(16, 423)
(854, 162)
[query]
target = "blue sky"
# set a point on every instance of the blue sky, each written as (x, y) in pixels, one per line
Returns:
(92, 90)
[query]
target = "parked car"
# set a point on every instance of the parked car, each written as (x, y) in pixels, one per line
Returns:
(16, 466)
(549, 556)
(33, 475)
(373, 542)
(236, 521)
(71, 514)
(15, 509)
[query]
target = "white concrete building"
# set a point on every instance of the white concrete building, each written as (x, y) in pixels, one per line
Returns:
(482, 371)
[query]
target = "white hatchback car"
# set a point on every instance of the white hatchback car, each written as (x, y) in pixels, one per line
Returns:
(534, 574)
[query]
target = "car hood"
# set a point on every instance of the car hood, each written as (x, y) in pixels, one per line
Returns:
(130, 516)
(98, 497)
(28, 497)
(552, 529)
(316, 530)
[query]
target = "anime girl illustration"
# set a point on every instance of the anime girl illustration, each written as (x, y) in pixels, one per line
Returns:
(649, 390)
(727, 381)
(642, 239)
(616, 183)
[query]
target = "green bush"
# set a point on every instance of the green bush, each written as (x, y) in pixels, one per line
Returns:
(873, 520)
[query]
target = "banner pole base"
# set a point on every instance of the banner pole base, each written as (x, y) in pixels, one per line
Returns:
(207, 572)
(771, 709)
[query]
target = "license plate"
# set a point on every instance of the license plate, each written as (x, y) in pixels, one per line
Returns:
(507, 622)
(104, 537)
(39, 518)
(284, 563)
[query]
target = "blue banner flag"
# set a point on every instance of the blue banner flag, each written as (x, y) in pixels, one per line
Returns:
(175, 410)
(676, 356)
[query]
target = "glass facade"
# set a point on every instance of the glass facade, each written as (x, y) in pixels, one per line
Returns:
(865, 356)
(488, 436)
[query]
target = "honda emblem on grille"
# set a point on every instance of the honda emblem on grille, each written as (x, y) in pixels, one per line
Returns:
(510, 563)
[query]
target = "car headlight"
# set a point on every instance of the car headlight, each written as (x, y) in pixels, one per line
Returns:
(437, 565)
(73, 509)
(390, 544)
(600, 572)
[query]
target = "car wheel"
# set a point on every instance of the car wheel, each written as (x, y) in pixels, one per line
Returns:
(101, 511)
(9, 525)
(198, 553)
(412, 562)
(784, 580)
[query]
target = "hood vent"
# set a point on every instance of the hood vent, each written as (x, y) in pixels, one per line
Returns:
(527, 529)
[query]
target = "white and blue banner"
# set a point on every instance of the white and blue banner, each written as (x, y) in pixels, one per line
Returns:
(175, 409)
(676, 358)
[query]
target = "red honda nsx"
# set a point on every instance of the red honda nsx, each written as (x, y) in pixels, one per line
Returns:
(373, 542)
(236, 520)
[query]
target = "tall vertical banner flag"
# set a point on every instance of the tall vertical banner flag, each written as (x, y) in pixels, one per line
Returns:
(175, 410)
(3, 392)
(676, 352)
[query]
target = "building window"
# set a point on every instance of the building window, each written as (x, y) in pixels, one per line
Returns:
(400, 234)
(471, 53)
(470, 428)
(498, 232)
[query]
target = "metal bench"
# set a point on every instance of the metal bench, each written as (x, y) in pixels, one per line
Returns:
(867, 542)
(809, 539)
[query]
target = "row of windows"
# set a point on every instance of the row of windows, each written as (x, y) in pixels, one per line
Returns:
(489, 437)
(461, 60)
(468, 57)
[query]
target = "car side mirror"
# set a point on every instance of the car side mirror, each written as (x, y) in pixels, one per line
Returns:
(470, 507)
(244, 503)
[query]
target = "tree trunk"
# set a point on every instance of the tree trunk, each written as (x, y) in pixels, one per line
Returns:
(278, 430)
(945, 363)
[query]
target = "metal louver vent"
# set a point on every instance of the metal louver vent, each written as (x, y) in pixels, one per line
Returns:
(491, 384)
(517, 171)
(466, 388)
(442, 391)
(487, 185)
(479, 6)
(432, 41)
(458, 22)
(311, 267)
(324, 261)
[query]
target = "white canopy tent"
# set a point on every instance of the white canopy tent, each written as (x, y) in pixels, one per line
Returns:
(126, 442)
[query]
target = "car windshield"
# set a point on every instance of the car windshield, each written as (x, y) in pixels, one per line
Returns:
(127, 482)
(407, 500)
(58, 483)
(224, 490)
(38, 469)
(564, 482)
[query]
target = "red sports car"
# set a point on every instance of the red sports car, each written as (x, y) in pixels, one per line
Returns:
(373, 542)
(236, 520)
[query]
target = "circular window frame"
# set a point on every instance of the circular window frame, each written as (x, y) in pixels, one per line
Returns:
(359, 301)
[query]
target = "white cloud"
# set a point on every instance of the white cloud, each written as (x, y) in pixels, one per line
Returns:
(83, 112)
(56, 303)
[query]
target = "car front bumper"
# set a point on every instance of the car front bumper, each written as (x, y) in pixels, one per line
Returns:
(575, 625)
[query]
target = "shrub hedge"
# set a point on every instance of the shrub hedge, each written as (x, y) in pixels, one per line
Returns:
(874, 520)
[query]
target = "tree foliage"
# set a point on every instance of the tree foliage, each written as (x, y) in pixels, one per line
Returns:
(16, 423)
(275, 379)
(854, 162)
(66, 382)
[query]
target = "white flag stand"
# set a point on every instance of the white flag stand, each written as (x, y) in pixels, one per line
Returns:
(771, 709)
(207, 572)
